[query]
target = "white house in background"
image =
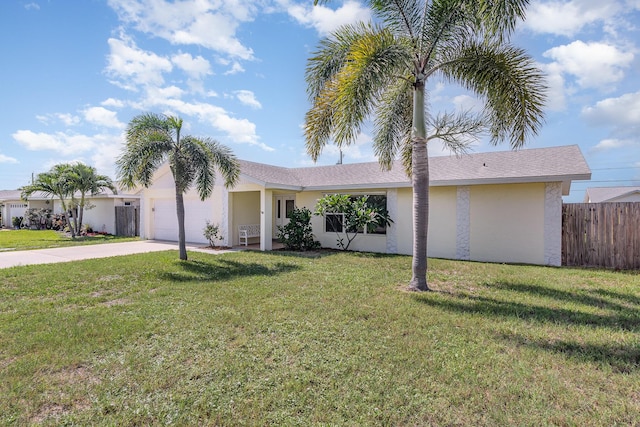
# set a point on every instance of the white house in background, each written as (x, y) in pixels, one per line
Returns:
(500, 206)
(612, 194)
(101, 216)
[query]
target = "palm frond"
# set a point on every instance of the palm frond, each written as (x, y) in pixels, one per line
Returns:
(514, 88)
(457, 131)
(393, 122)
(369, 63)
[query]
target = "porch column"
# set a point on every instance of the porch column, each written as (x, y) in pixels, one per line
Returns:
(266, 219)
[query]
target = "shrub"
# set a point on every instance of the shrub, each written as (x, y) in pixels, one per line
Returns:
(212, 233)
(297, 234)
(16, 221)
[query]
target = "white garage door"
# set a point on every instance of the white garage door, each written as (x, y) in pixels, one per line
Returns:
(165, 220)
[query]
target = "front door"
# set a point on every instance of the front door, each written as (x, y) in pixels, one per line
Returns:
(284, 205)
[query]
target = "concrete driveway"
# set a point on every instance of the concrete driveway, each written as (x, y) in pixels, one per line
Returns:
(75, 253)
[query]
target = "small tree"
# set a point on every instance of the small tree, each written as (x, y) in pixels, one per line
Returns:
(349, 216)
(297, 235)
(212, 233)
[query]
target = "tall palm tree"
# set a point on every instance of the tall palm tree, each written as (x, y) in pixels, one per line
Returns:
(56, 182)
(153, 139)
(382, 69)
(84, 180)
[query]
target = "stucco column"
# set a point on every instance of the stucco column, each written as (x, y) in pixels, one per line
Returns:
(463, 223)
(553, 223)
(392, 230)
(266, 219)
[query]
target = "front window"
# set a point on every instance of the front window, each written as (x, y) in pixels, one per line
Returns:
(335, 222)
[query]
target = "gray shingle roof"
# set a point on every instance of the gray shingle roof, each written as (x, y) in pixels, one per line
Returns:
(603, 194)
(553, 164)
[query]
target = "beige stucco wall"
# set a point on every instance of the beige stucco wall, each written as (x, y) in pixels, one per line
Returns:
(404, 221)
(507, 223)
(101, 216)
(442, 222)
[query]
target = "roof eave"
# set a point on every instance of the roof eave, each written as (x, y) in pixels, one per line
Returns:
(342, 187)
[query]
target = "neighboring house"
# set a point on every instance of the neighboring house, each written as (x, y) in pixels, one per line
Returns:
(499, 207)
(100, 215)
(612, 194)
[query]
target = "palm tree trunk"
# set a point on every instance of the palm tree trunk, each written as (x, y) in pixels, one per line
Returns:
(182, 246)
(420, 184)
(80, 214)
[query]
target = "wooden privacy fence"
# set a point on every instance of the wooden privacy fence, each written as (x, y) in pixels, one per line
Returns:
(601, 235)
(127, 221)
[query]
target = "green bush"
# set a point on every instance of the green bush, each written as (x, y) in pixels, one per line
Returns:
(212, 233)
(297, 235)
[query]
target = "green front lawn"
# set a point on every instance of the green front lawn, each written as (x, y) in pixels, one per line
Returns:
(19, 240)
(253, 338)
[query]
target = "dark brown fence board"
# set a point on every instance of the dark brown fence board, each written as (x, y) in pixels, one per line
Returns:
(601, 235)
(127, 221)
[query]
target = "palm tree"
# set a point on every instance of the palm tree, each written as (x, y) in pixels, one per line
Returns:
(381, 70)
(56, 182)
(153, 139)
(84, 180)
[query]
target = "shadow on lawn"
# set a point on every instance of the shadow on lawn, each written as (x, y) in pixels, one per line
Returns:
(224, 269)
(621, 358)
(618, 316)
(614, 310)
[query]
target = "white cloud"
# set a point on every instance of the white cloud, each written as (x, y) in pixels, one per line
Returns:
(359, 151)
(609, 144)
(112, 102)
(208, 23)
(66, 118)
(132, 67)
(196, 68)
(247, 97)
(60, 142)
(325, 19)
(595, 64)
(621, 112)
(467, 103)
(235, 69)
(567, 18)
(102, 117)
(32, 6)
(556, 97)
(237, 130)
(6, 159)
(103, 155)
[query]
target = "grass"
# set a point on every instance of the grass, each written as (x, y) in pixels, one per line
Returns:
(253, 338)
(12, 240)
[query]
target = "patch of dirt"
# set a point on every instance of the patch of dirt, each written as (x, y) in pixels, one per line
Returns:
(216, 248)
(119, 301)
(7, 362)
(110, 278)
(72, 377)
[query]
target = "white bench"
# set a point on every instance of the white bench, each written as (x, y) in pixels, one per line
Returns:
(247, 231)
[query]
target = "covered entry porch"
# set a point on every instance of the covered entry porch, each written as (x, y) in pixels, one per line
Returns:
(259, 206)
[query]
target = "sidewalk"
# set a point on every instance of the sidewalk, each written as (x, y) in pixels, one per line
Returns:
(75, 253)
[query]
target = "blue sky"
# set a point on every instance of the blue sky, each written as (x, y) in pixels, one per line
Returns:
(75, 72)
